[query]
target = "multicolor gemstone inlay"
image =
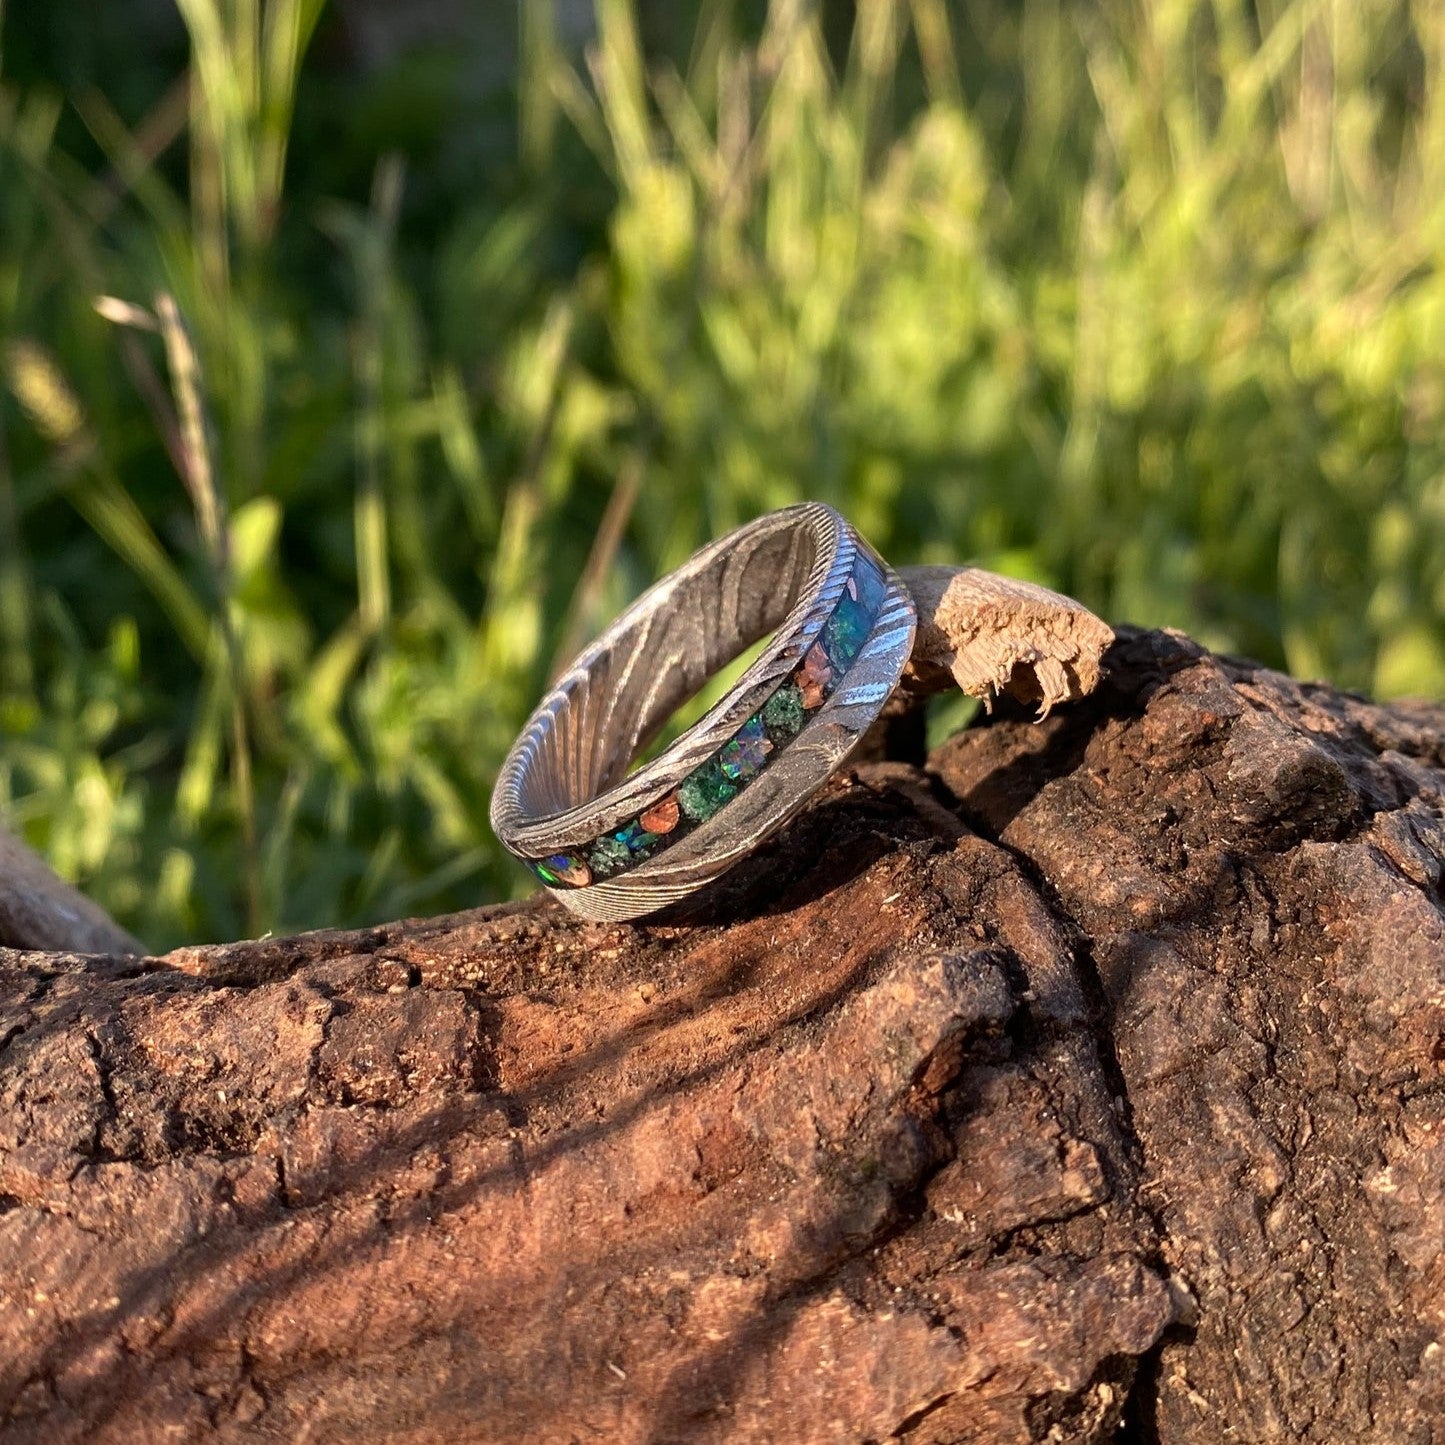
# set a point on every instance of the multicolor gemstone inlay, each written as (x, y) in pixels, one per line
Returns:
(705, 790)
(715, 783)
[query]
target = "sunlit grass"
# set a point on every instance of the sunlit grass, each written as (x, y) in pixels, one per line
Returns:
(1143, 301)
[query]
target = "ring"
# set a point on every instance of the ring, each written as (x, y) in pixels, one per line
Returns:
(616, 844)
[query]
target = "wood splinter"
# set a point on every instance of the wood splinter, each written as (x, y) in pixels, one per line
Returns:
(989, 634)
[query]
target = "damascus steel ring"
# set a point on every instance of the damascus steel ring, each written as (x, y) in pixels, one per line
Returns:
(615, 844)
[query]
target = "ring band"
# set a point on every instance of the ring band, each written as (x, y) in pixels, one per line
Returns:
(614, 844)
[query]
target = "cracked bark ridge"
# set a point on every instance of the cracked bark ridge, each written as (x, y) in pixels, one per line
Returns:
(1251, 870)
(1086, 1085)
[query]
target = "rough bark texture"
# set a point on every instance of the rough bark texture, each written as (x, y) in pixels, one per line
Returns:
(1090, 1082)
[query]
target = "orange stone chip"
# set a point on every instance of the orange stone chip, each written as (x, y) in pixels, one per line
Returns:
(813, 676)
(661, 817)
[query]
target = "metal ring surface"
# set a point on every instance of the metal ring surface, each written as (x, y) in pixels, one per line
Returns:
(614, 844)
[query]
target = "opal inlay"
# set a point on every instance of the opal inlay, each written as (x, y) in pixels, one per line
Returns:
(746, 755)
(717, 781)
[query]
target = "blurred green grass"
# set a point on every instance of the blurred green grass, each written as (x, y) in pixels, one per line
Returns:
(338, 403)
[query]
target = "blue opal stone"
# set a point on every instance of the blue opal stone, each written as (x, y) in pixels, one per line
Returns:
(845, 631)
(636, 839)
(562, 869)
(747, 754)
(871, 584)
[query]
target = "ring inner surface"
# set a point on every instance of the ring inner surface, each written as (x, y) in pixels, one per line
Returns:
(689, 633)
(770, 712)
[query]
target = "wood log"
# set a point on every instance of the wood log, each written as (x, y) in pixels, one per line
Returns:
(39, 909)
(1086, 1084)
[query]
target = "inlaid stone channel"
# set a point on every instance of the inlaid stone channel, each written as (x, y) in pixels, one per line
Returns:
(713, 784)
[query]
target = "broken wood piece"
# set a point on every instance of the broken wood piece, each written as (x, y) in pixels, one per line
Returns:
(989, 634)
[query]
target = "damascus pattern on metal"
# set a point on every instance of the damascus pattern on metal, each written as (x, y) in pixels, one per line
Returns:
(616, 844)
(742, 759)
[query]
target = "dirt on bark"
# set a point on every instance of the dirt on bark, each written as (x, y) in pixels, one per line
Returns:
(1085, 1083)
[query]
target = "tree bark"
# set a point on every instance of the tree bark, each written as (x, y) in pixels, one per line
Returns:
(1086, 1084)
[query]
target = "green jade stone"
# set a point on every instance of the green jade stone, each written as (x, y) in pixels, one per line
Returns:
(783, 713)
(705, 790)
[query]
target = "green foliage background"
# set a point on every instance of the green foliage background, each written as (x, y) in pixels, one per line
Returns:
(1141, 300)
